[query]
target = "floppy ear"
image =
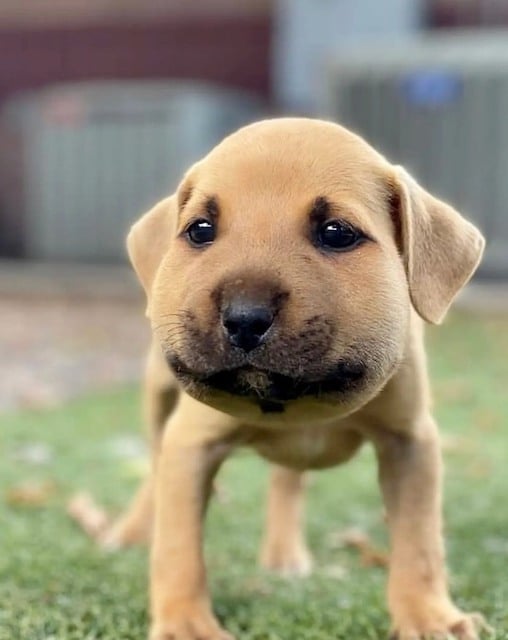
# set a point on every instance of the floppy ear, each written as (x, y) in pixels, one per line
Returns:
(148, 241)
(441, 250)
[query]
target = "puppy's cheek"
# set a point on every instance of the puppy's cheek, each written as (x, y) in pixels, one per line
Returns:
(377, 338)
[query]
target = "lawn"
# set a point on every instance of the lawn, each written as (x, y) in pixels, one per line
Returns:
(55, 585)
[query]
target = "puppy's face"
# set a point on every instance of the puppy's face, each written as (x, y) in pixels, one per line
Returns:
(281, 281)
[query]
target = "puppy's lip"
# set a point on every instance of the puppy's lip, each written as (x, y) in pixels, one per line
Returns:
(271, 386)
(282, 388)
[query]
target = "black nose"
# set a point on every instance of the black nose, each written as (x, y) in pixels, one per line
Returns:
(246, 325)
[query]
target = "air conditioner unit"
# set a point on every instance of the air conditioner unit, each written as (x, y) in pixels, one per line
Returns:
(92, 157)
(439, 106)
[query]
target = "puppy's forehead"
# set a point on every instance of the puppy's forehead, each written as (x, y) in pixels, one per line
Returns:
(293, 158)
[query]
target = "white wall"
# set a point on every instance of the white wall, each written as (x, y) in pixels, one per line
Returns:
(307, 31)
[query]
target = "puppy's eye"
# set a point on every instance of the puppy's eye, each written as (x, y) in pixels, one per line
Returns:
(338, 235)
(200, 232)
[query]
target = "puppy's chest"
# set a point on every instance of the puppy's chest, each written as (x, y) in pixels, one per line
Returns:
(308, 447)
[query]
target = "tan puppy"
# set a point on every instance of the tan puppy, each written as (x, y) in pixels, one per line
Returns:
(286, 282)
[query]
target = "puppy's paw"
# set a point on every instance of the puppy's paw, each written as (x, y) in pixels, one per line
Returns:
(444, 625)
(286, 559)
(189, 623)
(187, 633)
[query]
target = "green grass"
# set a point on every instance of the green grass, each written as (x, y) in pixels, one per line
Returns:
(55, 585)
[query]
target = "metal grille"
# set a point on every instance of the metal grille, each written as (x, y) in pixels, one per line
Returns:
(96, 156)
(439, 106)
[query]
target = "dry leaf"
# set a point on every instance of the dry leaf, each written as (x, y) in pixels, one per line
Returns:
(370, 556)
(30, 494)
(92, 518)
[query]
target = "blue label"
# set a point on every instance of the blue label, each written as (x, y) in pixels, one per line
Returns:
(431, 89)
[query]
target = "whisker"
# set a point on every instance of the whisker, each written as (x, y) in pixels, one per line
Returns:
(169, 326)
(174, 331)
(170, 323)
(178, 314)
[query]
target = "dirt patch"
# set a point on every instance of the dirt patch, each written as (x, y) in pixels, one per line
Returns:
(55, 349)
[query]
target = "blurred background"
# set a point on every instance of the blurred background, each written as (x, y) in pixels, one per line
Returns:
(104, 104)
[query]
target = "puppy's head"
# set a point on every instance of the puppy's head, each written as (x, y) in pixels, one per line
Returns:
(283, 271)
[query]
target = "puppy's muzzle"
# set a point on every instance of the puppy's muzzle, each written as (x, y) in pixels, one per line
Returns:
(247, 324)
(250, 349)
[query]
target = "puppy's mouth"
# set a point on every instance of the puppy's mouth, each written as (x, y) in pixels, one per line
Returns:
(270, 389)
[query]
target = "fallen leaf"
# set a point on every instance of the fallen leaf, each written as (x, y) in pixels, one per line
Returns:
(30, 494)
(370, 555)
(91, 517)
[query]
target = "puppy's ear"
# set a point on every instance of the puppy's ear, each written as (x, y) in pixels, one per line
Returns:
(148, 240)
(441, 250)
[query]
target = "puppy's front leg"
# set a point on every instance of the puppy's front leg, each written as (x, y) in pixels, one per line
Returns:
(192, 450)
(410, 476)
(284, 549)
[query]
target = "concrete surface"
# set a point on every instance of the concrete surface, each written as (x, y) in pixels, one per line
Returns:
(86, 281)
(118, 282)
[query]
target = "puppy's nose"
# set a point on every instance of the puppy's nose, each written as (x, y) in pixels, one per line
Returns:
(247, 324)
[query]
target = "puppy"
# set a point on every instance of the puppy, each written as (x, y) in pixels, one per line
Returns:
(286, 282)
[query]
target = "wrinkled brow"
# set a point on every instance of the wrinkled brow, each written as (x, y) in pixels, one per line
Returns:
(211, 206)
(208, 204)
(320, 209)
